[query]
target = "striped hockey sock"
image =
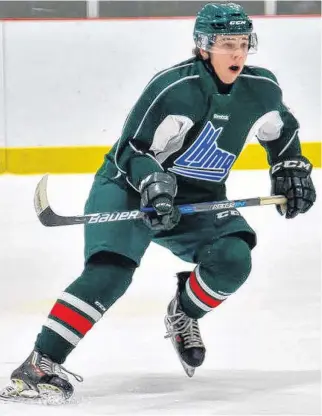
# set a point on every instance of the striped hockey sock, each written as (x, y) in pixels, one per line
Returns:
(68, 322)
(198, 298)
(81, 305)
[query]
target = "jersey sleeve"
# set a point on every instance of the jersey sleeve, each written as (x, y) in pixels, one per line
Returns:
(155, 128)
(284, 141)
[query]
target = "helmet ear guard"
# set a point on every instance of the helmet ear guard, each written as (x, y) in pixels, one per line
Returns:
(253, 43)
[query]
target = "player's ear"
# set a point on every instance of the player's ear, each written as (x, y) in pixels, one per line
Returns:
(204, 54)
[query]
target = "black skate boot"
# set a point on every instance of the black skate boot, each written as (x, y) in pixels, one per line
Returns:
(41, 380)
(184, 332)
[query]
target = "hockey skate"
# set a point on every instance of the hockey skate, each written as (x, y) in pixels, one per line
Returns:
(184, 332)
(39, 380)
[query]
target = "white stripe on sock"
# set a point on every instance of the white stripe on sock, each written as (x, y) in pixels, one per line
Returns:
(195, 300)
(64, 332)
(81, 305)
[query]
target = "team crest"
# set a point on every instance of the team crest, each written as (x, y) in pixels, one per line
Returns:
(204, 159)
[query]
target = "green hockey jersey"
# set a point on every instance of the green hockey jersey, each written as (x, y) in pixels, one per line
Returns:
(183, 124)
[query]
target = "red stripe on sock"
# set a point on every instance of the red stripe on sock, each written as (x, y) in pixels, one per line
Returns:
(201, 294)
(72, 318)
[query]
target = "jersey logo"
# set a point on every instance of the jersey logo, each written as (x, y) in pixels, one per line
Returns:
(221, 117)
(204, 159)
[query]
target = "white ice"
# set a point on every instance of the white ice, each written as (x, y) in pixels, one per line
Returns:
(263, 343)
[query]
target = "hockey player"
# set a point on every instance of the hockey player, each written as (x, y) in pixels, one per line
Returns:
(178, 145)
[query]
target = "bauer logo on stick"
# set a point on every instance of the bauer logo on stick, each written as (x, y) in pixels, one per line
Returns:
(115, 216)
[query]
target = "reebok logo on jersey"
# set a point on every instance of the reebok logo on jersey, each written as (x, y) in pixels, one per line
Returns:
(204, 159)
(221, 117)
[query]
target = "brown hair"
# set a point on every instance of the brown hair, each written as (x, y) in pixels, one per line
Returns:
(196, 52)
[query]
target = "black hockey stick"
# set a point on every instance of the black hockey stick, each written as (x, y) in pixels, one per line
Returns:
(50, 219)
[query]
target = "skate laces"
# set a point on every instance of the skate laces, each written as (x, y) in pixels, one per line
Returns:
(49, 367)
(187, 328)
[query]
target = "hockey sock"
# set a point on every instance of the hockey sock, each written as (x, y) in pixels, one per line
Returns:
(105, 279)
(222, 268)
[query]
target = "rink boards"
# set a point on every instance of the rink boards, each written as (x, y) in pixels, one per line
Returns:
(66, 88)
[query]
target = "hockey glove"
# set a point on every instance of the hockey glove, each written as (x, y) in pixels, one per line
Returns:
(292, 179)
(158, 191)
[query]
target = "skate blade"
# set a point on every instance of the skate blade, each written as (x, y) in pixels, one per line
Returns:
(190, 371)
(20, 399)
(18, 392)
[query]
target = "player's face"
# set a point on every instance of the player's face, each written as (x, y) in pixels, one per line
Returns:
(228, 56)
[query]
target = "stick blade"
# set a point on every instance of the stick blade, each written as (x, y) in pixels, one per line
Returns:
(41, 204)
(46, 215)
(40, 197)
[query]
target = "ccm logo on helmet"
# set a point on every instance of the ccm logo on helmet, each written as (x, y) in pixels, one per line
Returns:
(238, 22)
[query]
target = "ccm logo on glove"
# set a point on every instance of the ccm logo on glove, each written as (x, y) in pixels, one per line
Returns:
(291, 164)
(292, 178)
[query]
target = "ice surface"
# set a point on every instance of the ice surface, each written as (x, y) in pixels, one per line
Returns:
(263, 343)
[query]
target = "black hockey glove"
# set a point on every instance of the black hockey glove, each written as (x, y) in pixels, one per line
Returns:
(158, 191)
(292, 179)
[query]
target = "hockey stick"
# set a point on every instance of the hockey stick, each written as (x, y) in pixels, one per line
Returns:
(50, 219)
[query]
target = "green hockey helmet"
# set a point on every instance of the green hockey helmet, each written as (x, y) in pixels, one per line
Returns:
(222, 19)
